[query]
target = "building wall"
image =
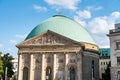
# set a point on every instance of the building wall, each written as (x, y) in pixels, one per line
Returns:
(104, 60)
(15, 64)
(59, 63)
(103, 63)
(114, 54)
(114, 37)
(59, 56)
(89, 59)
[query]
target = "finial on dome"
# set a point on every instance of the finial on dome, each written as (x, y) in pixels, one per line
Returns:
(59, 12)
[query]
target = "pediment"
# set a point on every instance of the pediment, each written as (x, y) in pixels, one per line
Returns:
(48, 38)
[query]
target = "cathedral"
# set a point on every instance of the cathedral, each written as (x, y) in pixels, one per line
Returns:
(58, 49)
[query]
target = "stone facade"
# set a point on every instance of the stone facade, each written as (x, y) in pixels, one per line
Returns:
(104, 61)
(90, 66)
(50, 56)
(114, 36)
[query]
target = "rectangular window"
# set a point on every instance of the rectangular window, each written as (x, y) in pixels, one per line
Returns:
(93, 74)
(118, 60)
(117, 45)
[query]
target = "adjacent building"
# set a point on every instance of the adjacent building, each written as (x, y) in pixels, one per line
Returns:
(103, 61)
(15, 64)
(58, 49)
(114, 36)
(15, 67)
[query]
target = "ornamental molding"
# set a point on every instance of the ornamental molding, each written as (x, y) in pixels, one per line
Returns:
(49, 42)
(25, 60)
(50, 49)
(48, 38)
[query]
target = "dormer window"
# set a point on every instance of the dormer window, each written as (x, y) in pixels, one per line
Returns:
(118, 60)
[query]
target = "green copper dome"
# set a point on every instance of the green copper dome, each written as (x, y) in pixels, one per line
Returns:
(64, 26)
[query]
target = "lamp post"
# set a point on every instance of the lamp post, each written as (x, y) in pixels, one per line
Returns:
(6, 73)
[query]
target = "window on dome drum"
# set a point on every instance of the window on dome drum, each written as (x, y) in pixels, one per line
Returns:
(118, 60)
(93, 74)
(117, 45)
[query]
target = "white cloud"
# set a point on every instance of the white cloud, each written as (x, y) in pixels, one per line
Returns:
(82, 22)
(100, 26)
(21, 36)
(85, 14)
(1, 45)
(81, 15)
(9, 49)
(39, 8)
(13, 42)
(92, 8)
(67, 4)
(115, 15)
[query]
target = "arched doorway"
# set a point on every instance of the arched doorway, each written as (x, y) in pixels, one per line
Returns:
(37, 73)
(48, 73)
(25, 73)
(72, 73)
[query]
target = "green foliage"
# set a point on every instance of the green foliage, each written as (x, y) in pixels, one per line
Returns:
(14, 78)
(1, 66)
(7, 58)
(107, 72)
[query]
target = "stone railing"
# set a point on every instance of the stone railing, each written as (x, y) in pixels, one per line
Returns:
(114, 31)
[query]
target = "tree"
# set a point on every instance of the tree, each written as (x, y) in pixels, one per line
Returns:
(1, 66)
(107, 72)
(7, 63)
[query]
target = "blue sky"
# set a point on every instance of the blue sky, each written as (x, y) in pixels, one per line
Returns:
(19, 17)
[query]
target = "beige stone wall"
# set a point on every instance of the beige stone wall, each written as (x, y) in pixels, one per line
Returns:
(59, 62)
(54, 53)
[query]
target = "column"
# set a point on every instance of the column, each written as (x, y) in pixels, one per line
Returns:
(20, 69)
(31, 67)
(54, 66)
(66, 67)
(43, 69)
(79, 66)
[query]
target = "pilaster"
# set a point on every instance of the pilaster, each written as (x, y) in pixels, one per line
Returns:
(43, 69)
(31, 67)
(79, 66)
(20, 70)
(66, 67)
(54, 66)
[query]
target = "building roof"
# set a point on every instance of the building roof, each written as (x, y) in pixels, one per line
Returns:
(63, 26)
(104, 52)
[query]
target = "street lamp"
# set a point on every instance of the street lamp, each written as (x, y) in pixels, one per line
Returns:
(6, 73)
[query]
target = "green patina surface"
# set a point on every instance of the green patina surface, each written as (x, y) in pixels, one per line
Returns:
(104, 52)
(64, 26)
